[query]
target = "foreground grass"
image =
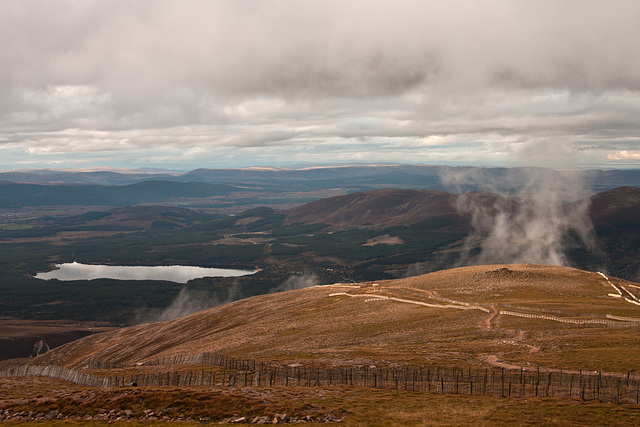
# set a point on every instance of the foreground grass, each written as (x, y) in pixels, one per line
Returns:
(356, 406)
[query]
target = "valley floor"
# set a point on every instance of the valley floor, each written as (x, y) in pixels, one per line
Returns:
(20, 338)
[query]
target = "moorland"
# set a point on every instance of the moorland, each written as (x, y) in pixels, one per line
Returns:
(368, 234)
(489, 345)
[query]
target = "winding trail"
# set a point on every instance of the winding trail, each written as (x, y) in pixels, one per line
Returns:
(378, 295)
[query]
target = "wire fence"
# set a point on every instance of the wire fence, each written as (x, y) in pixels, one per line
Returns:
(500, 382)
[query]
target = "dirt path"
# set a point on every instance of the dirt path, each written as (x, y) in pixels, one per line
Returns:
(494, 313)
(493, 360)
(372, 297)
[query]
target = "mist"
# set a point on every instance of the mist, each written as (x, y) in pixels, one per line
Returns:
(189, 301)
(296, 281)
(527, 219)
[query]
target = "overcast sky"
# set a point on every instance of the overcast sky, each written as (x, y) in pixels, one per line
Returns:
(188, 83)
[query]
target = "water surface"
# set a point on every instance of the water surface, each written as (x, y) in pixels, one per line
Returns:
(172, 273)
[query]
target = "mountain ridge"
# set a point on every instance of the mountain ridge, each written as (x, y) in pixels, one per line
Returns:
(379, 176)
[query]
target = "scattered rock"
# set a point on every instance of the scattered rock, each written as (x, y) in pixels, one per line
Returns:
(331, 418)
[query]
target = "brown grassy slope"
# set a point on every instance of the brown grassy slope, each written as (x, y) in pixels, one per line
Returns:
(380, 208)
(620, 205)
(416, 320)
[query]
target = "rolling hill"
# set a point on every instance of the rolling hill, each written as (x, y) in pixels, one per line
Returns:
(376, 209)
(361, 176)
(514, 315)
(615, 215)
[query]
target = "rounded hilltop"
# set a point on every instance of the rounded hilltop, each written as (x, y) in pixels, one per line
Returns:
(515, 315)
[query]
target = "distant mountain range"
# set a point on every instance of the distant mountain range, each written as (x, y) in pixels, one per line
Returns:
(278, 188)
(398, 176)
(17, 195)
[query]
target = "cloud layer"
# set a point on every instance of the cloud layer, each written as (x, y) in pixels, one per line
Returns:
(240, 82)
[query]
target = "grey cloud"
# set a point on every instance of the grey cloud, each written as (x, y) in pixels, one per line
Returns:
(322, 48)
(609, 145)
(268, 73)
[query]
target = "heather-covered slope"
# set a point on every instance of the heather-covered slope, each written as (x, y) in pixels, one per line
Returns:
(616, 220)
(380, 208)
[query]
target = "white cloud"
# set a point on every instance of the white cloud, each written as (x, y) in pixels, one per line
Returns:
(624, 155)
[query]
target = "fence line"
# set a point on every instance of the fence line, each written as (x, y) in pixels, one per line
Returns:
(559, 319)
(618, 388)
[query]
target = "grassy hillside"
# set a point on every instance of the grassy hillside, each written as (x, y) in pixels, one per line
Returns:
(523, 315)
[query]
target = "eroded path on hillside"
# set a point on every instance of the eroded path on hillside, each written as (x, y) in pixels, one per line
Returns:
(374, 297)
(494, 313)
